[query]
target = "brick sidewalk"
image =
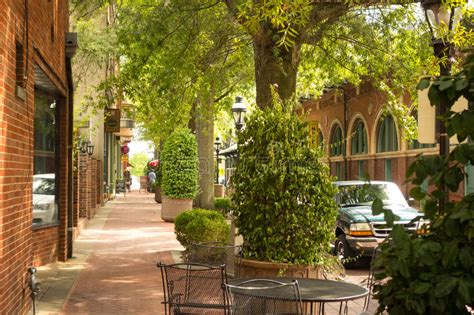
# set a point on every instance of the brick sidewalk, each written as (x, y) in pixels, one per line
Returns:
(120, 276)
(115, 271)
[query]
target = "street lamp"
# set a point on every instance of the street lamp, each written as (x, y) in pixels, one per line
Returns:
(90, 148)
(239, 110)
(441, 18)
(84, 144)
(78, 143)
(217, 145)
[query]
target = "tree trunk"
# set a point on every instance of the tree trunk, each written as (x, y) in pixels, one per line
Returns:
(274, 66)
(204, 122)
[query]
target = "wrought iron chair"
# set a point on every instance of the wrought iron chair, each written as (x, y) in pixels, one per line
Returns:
(370, 281)
(264, 296)
(191, 288)
(216, 254)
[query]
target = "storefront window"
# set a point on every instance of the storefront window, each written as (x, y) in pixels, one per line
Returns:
(45, 205)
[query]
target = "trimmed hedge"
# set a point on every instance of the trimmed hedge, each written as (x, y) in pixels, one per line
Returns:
(223, 204)
(200, 226)
(179, 165)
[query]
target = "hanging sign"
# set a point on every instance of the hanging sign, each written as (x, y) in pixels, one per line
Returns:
(125, 149)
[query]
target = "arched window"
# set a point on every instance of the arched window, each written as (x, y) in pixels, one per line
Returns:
(359, 138)
(336, 141)
(387, 138)
(320, 137)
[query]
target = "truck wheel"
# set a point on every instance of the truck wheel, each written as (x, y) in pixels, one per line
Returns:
(343, 251)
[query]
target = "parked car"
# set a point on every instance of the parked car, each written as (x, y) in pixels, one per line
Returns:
(44, 193)
(358, 231)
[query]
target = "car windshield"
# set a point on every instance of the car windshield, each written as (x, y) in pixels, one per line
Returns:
(43, 186)
(365, 194)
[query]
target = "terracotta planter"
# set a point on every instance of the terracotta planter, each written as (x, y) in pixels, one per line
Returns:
(171, 208)
(253, 268)
(158, 194)
(219, 190)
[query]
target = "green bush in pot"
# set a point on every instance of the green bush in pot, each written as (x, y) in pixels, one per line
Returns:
(179, 165)
(201, 226)
(284, 197)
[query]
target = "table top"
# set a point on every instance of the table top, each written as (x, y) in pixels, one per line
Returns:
(320, 290)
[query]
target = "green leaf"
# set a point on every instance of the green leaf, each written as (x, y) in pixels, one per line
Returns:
(434, 96)
(421, 287)
(445, 85)
(423, 84)
(417, 193)
(461, 84)
(377, 206)
(445, 286)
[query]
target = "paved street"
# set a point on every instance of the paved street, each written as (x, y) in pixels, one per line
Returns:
(114, 269)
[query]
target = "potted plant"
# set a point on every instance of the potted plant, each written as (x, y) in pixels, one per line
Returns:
(179, 167)
(284, 199)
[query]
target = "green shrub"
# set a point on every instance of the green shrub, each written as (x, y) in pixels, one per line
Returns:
(199, 226)
(283, 201)
(433, 273)
(223, 204)
(179, 165)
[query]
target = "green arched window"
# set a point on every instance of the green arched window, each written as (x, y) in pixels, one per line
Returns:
(336, 141)
(387, 138)
(359, 138)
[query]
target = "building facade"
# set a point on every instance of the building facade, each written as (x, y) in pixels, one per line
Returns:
(361, 138)
(35, 142)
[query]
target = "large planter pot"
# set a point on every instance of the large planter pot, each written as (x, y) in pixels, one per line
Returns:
(253, 268)
(219, 190)
(158, 194)
(171, 208)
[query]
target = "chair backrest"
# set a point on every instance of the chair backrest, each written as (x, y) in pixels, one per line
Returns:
(192, 287)
(264, 296)
(216, 254)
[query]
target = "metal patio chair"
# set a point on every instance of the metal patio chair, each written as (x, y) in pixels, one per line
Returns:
(191, 288)
(216, 254)
(264, 296)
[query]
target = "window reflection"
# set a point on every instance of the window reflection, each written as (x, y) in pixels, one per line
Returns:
(45, 209)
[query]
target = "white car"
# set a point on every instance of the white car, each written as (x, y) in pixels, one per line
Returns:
(44, 193)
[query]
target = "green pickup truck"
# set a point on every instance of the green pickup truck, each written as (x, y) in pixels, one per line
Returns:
(358, 231)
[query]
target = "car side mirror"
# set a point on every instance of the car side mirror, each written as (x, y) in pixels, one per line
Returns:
(411, 201)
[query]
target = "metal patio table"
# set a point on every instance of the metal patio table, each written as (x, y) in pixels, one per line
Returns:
(320, 291)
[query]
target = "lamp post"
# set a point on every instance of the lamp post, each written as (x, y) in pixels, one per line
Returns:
(238, 111)
(84, 145)
(78, 143)
(217, 145)
(441, 17)
(90, 148)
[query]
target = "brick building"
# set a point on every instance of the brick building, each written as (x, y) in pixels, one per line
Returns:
(35, 143)
(361, 138)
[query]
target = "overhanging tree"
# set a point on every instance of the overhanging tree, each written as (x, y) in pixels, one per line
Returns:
(181, 59)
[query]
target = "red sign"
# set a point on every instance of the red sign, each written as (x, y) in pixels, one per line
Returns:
(125, 149)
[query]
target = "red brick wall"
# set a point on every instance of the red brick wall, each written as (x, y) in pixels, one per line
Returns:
(45, 245)
(84, 191)
(19, 246)
(367, 104)
(93, 184)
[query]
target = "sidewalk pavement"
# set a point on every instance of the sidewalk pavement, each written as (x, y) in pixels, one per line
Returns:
(114, 266)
